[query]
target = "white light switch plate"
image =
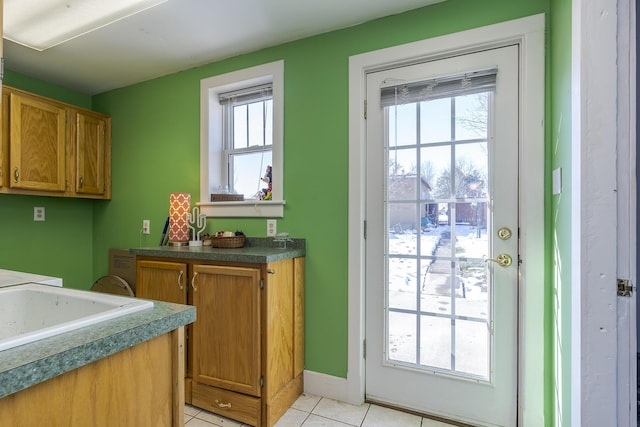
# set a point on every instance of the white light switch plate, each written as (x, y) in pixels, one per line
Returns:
(556, 180)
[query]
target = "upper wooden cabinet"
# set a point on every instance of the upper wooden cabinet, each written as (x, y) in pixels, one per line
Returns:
(4, 142)
(54, 149)
(91, 136)
(37, 142)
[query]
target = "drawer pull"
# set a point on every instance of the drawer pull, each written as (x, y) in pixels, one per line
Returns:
(223, 405)
(180, 280)
(193, 282)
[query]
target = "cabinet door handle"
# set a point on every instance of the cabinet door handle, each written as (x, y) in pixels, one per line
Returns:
(180, 280)
(16, 175)
(193, 282)
(271, 271)
(81, 181)
(223, 405)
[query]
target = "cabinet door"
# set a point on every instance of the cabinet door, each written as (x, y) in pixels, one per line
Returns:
(4, 142)
(92, 153)
(162, 281)
(227, 346)
(37, 144)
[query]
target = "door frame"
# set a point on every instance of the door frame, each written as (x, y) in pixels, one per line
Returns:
(603, 158)
(528, 33)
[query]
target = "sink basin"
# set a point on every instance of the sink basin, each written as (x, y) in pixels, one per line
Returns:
(30, 312)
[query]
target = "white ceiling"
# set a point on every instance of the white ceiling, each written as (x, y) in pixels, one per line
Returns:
(182, 34)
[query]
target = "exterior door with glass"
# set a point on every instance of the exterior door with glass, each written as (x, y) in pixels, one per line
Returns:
(442, 239)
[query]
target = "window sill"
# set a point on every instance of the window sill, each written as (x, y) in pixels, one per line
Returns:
(243, 209)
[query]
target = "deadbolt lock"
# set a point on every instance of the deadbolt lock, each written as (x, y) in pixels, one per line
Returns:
(504, 233)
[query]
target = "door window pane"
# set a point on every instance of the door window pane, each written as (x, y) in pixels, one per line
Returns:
(472, 345)
(403, 283)
(474, 301)
(435, 342)
(437, 215)
(471, 116)
(471, 170)
(402, 121)
(402, 337)
(403, 178)
(435, 117)
(435, 166)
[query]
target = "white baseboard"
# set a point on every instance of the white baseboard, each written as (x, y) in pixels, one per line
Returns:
(326, 386)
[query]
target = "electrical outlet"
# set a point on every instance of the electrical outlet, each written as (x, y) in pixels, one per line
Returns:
(38, 213)
(146, 226)
(271, 227)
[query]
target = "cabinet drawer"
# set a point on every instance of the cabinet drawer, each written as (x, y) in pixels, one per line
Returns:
(237, 406)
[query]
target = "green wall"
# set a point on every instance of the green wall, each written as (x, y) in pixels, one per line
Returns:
(559, 215)
(60, 246)
(155, 151)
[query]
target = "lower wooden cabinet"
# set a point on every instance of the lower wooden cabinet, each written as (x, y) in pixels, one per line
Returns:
(134, 387)
(162, 281)
(246, 348)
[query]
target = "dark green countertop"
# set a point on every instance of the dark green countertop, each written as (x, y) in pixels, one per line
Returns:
(256, 250)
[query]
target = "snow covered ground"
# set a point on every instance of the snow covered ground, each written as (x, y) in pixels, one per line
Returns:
(452, 331)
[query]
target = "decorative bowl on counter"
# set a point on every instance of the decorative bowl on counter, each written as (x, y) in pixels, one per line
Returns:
(227, 242)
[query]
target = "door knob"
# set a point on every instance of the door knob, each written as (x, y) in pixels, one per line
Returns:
(503, 260)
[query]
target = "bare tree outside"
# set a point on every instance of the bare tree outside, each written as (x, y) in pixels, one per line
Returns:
(475, 119)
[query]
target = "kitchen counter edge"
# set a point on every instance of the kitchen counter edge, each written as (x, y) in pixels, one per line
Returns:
(256, 250)
(27, 365)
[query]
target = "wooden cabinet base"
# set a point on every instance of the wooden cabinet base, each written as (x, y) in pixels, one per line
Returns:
(187, 390)
(142, 386)
(283, 400)
(229, 404)
(247, 409)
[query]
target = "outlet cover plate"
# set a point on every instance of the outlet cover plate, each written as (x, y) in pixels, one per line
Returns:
(272, 227)
(38, 213)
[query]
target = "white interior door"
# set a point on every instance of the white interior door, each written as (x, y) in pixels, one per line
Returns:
(442, 226)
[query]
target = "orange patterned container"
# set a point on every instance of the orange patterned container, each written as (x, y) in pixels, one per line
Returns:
(179, 208)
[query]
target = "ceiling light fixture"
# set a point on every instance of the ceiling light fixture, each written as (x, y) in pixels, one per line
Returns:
(41, 24)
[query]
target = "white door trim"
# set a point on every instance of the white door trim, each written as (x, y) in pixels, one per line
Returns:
(626, 238)
(529, 34)
(604, 210)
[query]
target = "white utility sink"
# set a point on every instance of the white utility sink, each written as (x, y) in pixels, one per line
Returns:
(31, 311)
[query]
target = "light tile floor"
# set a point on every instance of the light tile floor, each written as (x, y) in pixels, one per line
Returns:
(310, 411)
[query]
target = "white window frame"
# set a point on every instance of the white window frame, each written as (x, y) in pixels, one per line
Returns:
(212, 174)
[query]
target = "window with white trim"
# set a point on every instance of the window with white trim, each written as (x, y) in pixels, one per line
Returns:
(247, 139)
(242, 142)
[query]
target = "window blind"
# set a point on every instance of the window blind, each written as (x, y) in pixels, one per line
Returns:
(247, 95)
(440, 87)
